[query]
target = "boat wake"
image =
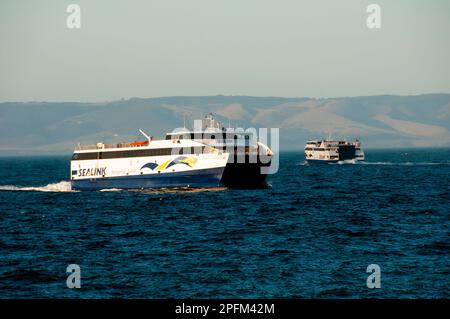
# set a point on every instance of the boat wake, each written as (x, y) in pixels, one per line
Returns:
(180, 190)
(344, 162)
(63, 186)
(111, 190)
(405, 163)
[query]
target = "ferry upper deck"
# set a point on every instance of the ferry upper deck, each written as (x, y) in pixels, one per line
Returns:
(141, 149)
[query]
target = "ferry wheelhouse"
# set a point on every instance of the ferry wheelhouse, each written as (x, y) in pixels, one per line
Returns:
(332, 151)
(249, 160)
(147, 164)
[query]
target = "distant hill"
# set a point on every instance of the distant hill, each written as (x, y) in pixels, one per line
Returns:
(379, 121)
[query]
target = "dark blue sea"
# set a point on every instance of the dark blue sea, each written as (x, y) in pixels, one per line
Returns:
(312, 234)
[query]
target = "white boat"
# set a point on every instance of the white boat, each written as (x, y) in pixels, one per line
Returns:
(333, 151)
(147, 164)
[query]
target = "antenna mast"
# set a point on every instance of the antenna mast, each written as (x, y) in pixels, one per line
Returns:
(143, 133)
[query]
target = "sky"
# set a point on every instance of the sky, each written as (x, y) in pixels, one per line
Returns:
(289, 48)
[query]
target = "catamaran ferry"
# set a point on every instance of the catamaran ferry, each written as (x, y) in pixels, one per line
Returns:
(331, 151)
(147, 164)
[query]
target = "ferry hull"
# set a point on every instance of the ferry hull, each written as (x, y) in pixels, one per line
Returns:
(317, 161)
(245, 175)
(197, 178)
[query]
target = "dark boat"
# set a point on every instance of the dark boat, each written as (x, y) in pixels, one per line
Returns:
(249, 160)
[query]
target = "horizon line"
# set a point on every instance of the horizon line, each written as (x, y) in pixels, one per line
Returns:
(223, 95)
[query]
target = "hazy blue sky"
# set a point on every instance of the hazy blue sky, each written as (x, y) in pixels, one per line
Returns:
(234, 47)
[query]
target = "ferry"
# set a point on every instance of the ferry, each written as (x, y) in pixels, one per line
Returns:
(249, 160)
(333, 151)
(147, 164)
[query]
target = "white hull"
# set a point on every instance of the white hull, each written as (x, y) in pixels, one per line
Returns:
(174, 170)
(333, 151)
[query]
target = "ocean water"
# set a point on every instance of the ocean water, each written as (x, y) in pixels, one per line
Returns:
(312, 234)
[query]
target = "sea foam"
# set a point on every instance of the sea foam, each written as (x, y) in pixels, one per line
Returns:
(63, 186)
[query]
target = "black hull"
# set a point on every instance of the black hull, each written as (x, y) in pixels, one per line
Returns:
(346, 152)
(245, 175)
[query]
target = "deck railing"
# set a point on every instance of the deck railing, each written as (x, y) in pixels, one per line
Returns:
(101, 146)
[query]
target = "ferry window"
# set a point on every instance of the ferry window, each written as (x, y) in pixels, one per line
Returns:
(175, 151)
(134, 153)
(108, 154)
(85, 156)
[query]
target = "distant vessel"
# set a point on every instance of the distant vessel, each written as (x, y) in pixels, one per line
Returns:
(147, 164)
(249, 158)
(333, 151)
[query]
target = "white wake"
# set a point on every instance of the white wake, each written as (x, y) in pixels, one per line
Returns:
(406, 163)
(111, 190)
(63, 186)
(352, 161)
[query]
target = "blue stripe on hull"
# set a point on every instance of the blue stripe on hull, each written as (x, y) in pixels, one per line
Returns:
(197, 178)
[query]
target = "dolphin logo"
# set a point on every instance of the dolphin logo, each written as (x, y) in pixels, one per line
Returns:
(149, 165)
(186, 160)
(189, 161)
